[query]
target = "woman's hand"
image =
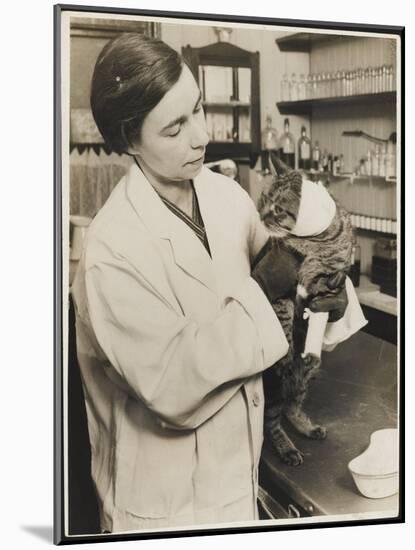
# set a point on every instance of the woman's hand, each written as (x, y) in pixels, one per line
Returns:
(275, 269)
(335, 305)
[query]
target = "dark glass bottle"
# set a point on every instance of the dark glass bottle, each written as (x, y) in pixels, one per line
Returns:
(304, 151)
(287, 146)
(316, 154)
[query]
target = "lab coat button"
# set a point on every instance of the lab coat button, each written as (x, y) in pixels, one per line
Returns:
(256, 400)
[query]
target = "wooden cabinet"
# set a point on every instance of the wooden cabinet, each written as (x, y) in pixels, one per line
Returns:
(228, 77)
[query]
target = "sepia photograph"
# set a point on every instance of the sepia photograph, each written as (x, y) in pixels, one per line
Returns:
(228, 267)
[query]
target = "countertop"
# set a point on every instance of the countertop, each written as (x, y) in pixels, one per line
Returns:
(354, 395)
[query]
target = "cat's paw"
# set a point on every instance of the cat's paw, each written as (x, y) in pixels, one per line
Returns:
(319, 432)
(312, 362)
(292, 457)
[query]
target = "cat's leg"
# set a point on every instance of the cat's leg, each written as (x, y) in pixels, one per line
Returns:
(285, 448)
(276, 385)
(305, 369)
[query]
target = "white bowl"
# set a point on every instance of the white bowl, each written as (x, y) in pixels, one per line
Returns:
(375, 471)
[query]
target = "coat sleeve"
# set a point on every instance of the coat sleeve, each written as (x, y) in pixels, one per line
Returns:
(183, 371)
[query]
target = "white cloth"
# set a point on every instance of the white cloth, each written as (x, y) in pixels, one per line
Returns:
(352, 321)
(316, 212)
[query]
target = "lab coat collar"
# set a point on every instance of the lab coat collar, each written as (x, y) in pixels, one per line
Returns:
(189, 253)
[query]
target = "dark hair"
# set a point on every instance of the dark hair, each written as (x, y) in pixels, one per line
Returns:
(131, 75)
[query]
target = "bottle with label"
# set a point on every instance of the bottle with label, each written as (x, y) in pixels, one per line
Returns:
(269, 143)
(304, 151)
(315, 155)
(287, 146)
(269, 136)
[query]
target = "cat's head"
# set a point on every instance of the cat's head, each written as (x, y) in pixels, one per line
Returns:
(279, 202)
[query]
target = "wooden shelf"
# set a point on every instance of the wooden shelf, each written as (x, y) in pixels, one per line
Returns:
(303, 41)
(230, 104)
(306, 106)
(349, 178)
(369, 295)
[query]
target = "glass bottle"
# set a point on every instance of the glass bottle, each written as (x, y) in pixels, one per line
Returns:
(341, 164)
(287, 146)
(373, 80)
(315, 156)
(309, 87)
(315, 83)
(323, 85)
(338, 84)
(390, 160)
(325, 161)
(301, 88)
(384, 81)
(293, 88)
(343, 83)
(269, 143)
(318, 85)
(304, 151)
(269, 136)
(285, 92)
(376, 161)
(367, 80)
(382, 161)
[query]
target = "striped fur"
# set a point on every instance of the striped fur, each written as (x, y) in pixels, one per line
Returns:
(325, 262)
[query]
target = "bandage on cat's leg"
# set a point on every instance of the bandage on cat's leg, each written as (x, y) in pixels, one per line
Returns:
(316, 327)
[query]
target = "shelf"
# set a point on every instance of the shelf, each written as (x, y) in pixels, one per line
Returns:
(303, 41)
(305, 106)
(388, 233)
(369, 295)
(226, 104)
(350, 178)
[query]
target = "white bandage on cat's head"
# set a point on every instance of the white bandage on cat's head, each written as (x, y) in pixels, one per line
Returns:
(316, 212)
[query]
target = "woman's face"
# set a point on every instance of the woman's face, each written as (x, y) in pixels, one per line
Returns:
(173, 136)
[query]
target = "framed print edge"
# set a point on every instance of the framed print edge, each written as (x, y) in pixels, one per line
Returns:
(60, 301)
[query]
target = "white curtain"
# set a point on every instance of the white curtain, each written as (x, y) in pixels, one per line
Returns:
(92, 178)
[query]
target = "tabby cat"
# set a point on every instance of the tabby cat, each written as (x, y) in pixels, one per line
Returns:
(325, 260)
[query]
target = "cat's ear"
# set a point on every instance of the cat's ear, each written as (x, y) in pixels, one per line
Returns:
(337, 280)
(277, 166)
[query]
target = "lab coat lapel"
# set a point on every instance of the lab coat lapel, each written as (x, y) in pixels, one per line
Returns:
(188, 252)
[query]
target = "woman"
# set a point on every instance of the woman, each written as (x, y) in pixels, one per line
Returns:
(172, 331)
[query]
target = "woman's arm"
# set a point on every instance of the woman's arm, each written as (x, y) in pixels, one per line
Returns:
(182, 370)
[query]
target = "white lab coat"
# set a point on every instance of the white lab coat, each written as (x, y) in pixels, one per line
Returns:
(171, 346)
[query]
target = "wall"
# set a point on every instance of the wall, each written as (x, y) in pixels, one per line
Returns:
(273, 65)
(328, 123)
